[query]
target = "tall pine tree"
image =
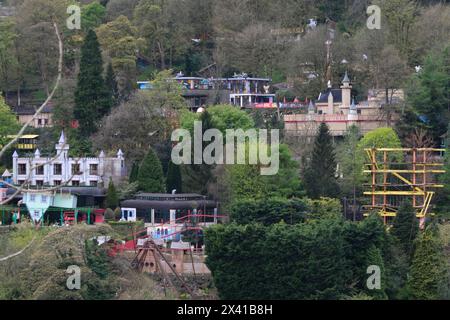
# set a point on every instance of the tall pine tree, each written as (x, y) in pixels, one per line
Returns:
(112, 198)
(134, 172)
(111, 85)
(405, 228)
(443, 194)
(173, 178)
(320, 172)
(428, 278)
(198, 176)
(151, 176)
(92, 100)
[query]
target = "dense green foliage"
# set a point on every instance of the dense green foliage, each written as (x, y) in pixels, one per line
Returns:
(112, 198)
(280, 244)
(351, 161)
(428, 94)
(429, 270)
(302, 261)
(173, 178)
(92, 100)
(134, 172)
(8, 122)
(443, 194)
(268, 211)
(246, 181)
(320, 173)
(406, 227)
(151, 176)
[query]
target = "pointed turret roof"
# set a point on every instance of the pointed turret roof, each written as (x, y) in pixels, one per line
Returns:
(62, 138)
(6, 174)
(311, 106)
(15, 155)
(353, 106)
(346, 78)
(37, 153)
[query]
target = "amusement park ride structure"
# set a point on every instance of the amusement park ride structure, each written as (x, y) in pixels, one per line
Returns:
(399, 174)
(153, 256)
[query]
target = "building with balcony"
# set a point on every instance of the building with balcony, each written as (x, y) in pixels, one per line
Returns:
(240, 90)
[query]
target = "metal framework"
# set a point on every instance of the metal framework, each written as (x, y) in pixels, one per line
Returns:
(393, 181)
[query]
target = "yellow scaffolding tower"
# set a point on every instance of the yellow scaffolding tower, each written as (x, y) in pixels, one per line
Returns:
(392, 181)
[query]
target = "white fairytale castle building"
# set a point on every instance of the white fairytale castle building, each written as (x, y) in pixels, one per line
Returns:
(62, 169)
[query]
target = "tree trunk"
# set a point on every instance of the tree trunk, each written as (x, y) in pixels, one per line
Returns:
(18, 95)
(162, 56)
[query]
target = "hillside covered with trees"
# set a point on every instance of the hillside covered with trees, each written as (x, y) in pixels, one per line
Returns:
(302, 233)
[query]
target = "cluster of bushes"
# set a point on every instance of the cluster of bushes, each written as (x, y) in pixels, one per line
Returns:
(304, 249)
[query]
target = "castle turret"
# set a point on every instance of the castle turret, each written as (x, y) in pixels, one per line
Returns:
(311, 109)
(330, 103)
(346, 91)
(353, 112)
(62, 148)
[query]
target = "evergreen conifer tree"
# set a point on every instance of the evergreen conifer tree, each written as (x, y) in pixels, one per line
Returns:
(112, 198)
(405, 227)
(320, 173)
(151, 177)
(443, 194)
(134, 172)
(92, 100)
(428, 277)
(111, 85)
(375, 258)
(173, 178)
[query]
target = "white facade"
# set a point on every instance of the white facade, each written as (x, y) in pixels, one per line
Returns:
(56, 170)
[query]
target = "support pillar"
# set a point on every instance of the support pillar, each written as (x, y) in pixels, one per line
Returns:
(215, 215)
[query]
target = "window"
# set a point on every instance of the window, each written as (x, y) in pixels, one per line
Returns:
(57, 168)
(39, 183)
(32, 197)
(76, 168)
(93, 183)
(57, 182)
(45, 121)
(75, 183)
(39, 121)
(22, 168)
(40, 170)
(20, 182)
(93, 169)
(43, 199)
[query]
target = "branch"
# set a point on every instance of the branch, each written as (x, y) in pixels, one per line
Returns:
(19, 252)
(39, 110)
